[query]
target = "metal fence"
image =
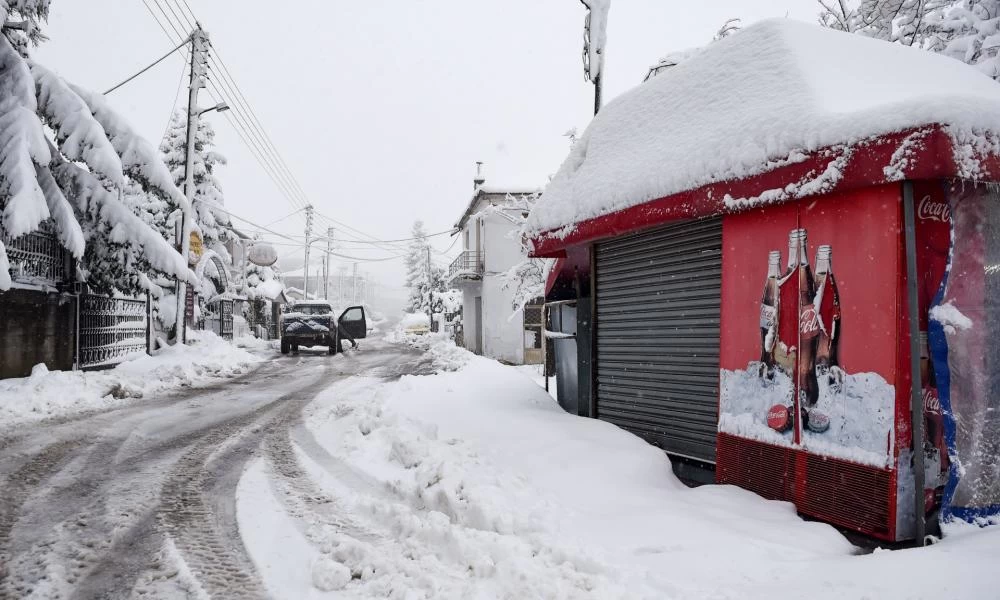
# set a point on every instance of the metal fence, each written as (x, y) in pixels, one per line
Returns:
(38, 257)
(111, 329)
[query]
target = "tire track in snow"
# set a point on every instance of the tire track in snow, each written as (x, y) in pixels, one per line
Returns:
(199, 497)
(17, 487)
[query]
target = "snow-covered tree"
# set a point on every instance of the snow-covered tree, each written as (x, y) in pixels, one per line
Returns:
(907, 22)
(969, 31)
(426, 285)
(66, 156)
(211, 220)
(527, 277)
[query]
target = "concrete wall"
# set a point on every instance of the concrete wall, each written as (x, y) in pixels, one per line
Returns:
(36, 327)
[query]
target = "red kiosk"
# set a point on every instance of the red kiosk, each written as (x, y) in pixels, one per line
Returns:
(858, 259)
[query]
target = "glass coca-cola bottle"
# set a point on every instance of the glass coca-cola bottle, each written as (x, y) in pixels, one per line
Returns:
(828, 305)
(788, 310)
(808, 332)
(769, 315)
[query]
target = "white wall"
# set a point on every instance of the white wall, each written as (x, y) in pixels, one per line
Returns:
(503, 335)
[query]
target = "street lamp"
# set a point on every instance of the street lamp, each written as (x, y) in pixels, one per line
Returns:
(186, 216)
(220, 107)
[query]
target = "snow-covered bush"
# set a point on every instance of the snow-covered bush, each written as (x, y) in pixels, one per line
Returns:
(68, 157)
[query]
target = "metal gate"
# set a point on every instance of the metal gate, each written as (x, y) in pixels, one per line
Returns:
(111, 329)
(658, 307)
(226, 319)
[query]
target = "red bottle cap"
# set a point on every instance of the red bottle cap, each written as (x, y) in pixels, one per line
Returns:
(779, 418)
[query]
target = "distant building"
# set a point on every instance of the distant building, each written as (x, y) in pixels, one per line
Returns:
(491, 247)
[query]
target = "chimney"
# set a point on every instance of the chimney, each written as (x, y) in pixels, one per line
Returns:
(479, 180)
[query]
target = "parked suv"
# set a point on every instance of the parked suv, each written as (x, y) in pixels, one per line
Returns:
(312, 323)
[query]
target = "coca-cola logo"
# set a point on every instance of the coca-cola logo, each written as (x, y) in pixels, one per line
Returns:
(932, 403)
(778, 418)
(767, 316)
(929, 210)
(809, 322)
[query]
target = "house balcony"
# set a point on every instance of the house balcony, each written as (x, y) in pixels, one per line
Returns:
(467, 267)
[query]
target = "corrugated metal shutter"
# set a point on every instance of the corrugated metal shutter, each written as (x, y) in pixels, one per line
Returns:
(658, 335)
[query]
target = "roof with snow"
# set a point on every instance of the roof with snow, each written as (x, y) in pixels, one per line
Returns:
(817, 107)
(492, 195)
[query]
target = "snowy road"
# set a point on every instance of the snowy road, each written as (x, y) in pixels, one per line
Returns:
(141, 501)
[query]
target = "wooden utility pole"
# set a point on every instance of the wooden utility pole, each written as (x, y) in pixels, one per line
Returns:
(199, 56)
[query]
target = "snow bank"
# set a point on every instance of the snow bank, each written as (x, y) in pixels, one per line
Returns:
(775, 90)
(475, 484)
(481, 486)
(59, 393)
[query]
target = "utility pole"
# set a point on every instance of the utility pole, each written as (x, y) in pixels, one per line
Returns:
(199, 57)
(305, 270)
(326, 265)
(354, 285)
(430, 291)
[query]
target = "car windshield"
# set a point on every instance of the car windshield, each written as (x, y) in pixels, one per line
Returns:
(312, 309)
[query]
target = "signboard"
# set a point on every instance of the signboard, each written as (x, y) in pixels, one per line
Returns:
(189, 305)
(262, 254)
(196, 249)
(810, 310)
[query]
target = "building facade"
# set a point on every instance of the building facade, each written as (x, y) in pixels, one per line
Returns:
(491, 248)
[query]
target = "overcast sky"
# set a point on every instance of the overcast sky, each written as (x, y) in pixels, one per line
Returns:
(381, 107)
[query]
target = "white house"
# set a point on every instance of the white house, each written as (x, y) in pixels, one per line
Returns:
(491, 247)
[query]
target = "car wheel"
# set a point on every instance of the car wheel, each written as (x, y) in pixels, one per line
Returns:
(285, 347)
(332, 349)
(295, 348)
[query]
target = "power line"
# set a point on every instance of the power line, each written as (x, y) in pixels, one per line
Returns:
(236, 97)
(244, 120)
(148, 67)
(259, 155)
(177, 94)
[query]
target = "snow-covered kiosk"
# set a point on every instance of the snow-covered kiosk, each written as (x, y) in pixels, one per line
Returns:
(767, 244)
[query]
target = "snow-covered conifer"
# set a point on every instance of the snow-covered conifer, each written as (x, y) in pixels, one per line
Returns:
(426, 285)
(211, 219)
(78, 178)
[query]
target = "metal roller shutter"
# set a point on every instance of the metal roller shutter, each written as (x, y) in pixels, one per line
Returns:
(658, 305)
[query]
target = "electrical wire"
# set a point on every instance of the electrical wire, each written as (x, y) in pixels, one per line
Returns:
(259, 155)
(236, 97)
(275, 222)
(177, 95)
(148, 67)
(251, 132)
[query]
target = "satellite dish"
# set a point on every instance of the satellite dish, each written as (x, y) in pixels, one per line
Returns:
(263, 255)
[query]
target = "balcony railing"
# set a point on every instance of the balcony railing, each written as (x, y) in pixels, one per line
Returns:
(468, 265)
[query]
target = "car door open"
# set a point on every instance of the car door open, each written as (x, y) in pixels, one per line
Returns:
(352, 322)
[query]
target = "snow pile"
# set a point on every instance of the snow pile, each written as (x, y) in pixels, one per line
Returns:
(475, 484)
(445, 355)
(777, 89)
(58, 393)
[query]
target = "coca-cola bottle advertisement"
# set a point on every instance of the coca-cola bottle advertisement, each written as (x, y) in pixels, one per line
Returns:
(798, 389)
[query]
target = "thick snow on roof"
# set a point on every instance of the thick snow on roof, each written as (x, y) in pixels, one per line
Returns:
(772, 92)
